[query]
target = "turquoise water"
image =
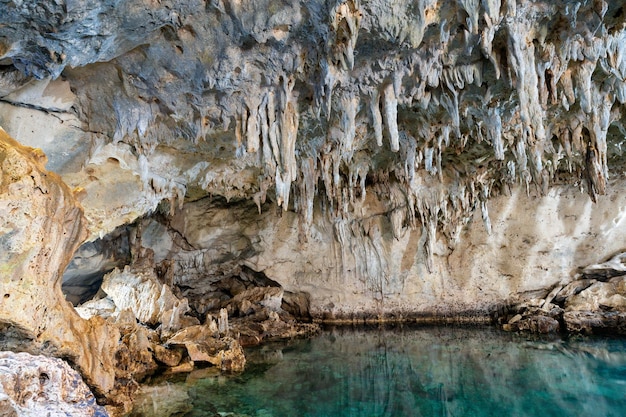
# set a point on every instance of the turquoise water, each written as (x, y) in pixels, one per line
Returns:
(422, 372)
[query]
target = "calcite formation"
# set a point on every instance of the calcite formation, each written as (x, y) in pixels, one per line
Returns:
(372, 159)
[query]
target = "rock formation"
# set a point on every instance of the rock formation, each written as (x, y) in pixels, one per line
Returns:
(372, 159)
(41, 226)
(38, 385)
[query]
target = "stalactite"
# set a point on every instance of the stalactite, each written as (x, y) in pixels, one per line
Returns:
(494, 133)
(252, 128)
(346, 19)
(266, 121)
(455, 88)
(521, 54)
(391, 117)
(308, 187)
(329, 78)
(583, 85)
(377, 118)
(428, 161)
(349, 108)
(473, 9)
(485, 212)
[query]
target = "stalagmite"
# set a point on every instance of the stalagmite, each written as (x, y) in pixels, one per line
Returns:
(494, 133)
(222, 321)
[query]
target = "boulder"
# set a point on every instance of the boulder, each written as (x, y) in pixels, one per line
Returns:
(595, 322)
(615, 266)
(534, 319)
(141, 292)
(202, 345)
(600, 296)
(297, 304)
(573, 288)
(35, 386)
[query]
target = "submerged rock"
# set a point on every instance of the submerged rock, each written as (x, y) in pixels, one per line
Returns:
(164, 400)
(35, 386)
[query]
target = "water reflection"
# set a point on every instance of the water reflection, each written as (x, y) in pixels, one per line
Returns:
(424, 372)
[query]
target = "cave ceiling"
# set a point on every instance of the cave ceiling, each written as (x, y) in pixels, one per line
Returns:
(432, 106)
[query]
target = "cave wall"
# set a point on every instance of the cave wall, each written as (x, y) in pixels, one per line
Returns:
(535, 244)
(384, 155)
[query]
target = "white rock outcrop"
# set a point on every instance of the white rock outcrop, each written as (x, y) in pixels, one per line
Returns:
(34, 386)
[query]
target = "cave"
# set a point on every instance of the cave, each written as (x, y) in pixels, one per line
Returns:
(179, 178)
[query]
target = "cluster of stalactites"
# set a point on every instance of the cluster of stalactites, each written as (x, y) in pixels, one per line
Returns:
(554, 96)
(270, 126)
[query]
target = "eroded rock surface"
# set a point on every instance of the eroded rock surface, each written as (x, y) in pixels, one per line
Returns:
(41, 224)
(593, 303)
(34, 386)
(385, 131)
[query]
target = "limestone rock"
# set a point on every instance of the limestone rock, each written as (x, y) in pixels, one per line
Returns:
(298, 304)
(140, 292)
(573, 288)
(595, 322)
(600, 296)
(411, 146)
(134, 358)
(34, 386)
(244, 302)
(589, 306)
(83, 276)
(203, 346)
(391, 162)
(41, 224)
(169, 357)
(103, 307)
(616, 266)
(535, 319)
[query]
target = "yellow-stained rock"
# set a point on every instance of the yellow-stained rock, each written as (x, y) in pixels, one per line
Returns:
(41, 225)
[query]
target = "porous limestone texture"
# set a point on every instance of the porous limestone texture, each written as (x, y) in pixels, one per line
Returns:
(41, 225)
(388, 157)
(35, 386)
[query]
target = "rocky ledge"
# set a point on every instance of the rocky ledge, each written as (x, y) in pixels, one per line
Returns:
(593, 303)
